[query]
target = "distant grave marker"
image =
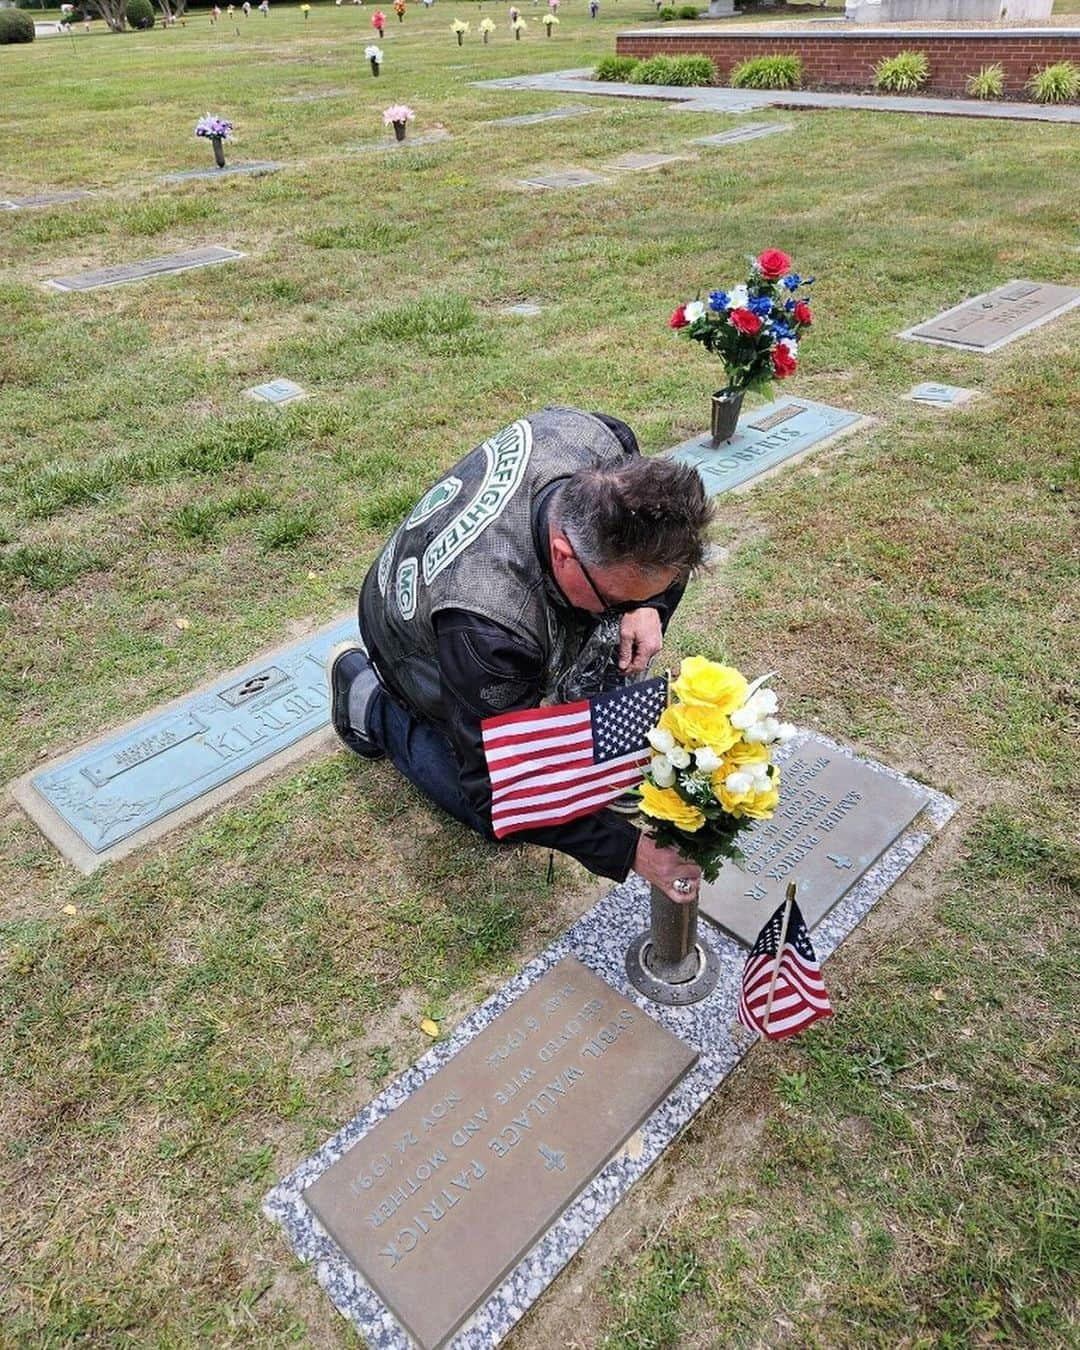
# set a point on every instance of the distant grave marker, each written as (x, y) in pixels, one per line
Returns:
(104, 800)
(149, 267)
(314, 96)
(569, 178)
(422, 138)
(256, 167)
(278, 393)
(44, 199)
(941, 395)
(837, 815)
(751, 132)
(435, 1203)
(642, 162)
(552, 115)
(764, 439)
(991, 320)
(525, 310)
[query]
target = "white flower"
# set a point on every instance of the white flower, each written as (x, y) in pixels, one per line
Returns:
(742, 718)
(740, 781)
(663, 773)
(791, 344)
(661, 739)
(737, 297)
(707, 760)
(765, 701)
(679, 757)
(694, 310)
(785, 731)
(373, 54)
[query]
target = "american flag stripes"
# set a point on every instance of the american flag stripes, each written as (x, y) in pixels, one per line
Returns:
(799, 997)
(552, 765)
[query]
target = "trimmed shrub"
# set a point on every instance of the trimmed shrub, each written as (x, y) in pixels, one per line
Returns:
(16, 26)
(614, 67)
(692, 70)
(140, 14)
(688, 11)
(903, 73)
(1059, 83)
(656, 70)
(987, 82)
(781, 70)
(667, 12)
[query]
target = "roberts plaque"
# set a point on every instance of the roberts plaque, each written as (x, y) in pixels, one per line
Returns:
(836, 817)
(438, 1201)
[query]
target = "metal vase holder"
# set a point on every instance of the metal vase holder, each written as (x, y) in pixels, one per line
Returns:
(669, 963)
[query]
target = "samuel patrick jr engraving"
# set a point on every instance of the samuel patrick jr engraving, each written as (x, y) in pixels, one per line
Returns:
(437, 1202)
(836, 816)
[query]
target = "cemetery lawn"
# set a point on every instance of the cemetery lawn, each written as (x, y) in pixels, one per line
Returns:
(181, 1029)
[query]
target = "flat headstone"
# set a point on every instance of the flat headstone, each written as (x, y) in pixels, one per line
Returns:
(569, 178)
(991, 320)
(750, 132)
(551, 115)
(44, 199)
(836, 817)
(599, 939)
(526, 310)
(764, 438)
(277, 393)
(941, 395)
(104, 800)
(392, 143)
(437, 1202)
(149, 267)
(642, 163)
(230, 170)
(314, 96)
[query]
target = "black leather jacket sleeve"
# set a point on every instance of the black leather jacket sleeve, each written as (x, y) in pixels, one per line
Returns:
(485, 670)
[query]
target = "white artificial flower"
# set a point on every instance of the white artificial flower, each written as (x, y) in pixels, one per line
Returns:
(663, 773)
(760, 774)
(742, 718)
(661, 739)
(785, 731)
(791, 344)
(694, 310)
(766, 702)
(679, 757)
(737, 297)
(738, 782)
(373, 54)
(755, 732)
(707, 760)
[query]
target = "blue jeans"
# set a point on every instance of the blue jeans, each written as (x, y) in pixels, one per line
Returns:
(423, 755)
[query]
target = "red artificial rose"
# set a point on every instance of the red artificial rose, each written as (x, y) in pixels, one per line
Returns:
(745, 320)
(783, 363)
(678, 319)
(774, 264)
(802, 313)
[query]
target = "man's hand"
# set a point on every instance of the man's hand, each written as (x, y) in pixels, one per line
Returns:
(663, 867)
(640, 638)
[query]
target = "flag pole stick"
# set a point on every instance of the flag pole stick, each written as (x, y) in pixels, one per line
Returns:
(789, 900)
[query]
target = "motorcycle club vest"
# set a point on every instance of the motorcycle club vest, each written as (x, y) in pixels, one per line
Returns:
(468, 544)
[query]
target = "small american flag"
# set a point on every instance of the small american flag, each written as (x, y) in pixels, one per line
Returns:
(799, 997)
(552, 765)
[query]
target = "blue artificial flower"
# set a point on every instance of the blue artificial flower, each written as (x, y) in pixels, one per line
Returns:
(792, 281)
(718, 301)
(789, 305)
(782, 330)
(760, 305)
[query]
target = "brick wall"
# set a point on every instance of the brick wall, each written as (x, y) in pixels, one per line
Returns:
(847, 60)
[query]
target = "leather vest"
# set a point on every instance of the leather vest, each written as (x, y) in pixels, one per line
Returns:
(468, 544)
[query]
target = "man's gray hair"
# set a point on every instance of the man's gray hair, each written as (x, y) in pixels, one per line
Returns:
(650, 513)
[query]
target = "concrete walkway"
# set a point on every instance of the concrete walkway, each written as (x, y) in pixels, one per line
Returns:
(725, 100)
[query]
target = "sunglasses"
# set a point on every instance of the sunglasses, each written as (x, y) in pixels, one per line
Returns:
(615, 606)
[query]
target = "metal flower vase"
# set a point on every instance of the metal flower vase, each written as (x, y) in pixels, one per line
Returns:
(399, 130)
(219, 151)
(669, 963)
(726, 407)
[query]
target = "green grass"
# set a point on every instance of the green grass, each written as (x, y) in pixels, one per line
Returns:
(218, 1006)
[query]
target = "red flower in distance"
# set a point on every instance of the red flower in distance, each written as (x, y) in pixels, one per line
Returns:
(783, 363)
(802, 313)
(678, 319)
(745, 320)
(774, 264)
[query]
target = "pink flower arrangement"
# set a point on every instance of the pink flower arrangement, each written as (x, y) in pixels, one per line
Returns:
(397, 112)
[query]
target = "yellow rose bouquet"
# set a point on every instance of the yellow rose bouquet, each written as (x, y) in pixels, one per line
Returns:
(711, 773)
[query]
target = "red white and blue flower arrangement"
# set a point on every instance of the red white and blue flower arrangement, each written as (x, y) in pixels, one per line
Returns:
(755, 328)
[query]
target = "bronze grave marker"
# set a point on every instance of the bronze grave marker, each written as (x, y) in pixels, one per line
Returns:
(836, 817)
(439, 1200)
(997, 317)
